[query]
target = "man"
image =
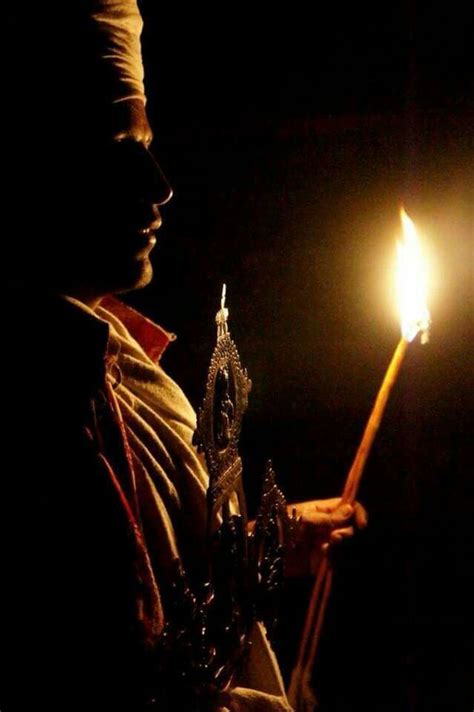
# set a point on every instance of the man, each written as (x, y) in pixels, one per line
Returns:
(103, 491)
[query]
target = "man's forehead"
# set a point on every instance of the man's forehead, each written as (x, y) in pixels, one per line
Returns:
(128, 120)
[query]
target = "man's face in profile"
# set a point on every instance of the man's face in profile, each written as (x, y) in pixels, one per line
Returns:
(95, 202)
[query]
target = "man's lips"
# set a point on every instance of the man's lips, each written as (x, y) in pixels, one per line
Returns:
(152, 227)
(143, 242)
(132, 242)
(132, 238)
(143, 235)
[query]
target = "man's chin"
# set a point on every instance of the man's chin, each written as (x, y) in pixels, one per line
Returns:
(95, 279)
(113, 279)
(136, 276)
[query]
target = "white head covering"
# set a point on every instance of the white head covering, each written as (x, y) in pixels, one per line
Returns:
(119, 26)
(74, 52)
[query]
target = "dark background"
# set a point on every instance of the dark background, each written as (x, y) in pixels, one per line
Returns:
(291, 137)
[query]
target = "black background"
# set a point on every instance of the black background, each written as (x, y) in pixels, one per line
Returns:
(291, 136)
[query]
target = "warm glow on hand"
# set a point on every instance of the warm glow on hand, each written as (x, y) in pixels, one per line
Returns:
(322, 523)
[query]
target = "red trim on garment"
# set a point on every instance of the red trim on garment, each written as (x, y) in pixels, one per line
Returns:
(123, 499)
(153, 619)
(152, 337)
(128, 453)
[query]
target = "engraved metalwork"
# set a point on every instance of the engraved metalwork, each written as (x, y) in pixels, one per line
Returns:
(207, 634)
(220, 421)
(274, 532)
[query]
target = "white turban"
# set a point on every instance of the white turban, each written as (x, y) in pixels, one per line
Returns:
(70, 60)
(119, 26)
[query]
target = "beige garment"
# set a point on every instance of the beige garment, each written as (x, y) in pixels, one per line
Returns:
(171, 486)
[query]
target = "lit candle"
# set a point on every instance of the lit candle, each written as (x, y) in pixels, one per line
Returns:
(411, 283)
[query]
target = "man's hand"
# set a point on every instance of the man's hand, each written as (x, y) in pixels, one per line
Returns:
(321, 524)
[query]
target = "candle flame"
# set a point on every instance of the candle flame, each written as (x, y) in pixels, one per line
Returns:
(412, 283)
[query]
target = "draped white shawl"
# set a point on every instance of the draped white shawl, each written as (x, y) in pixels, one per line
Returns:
(171, 485)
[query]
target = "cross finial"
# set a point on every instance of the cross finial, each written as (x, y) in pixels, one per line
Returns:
(222, 315)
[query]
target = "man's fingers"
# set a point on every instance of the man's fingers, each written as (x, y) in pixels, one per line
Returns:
(333, 512)
(322, 516)
(327, 505)
(331, 520)
(341, 515)
(360, 516)
(339, 534)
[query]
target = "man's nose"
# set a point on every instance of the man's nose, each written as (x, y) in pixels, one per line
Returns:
(136, 173)
(160, 191)
(155, 185)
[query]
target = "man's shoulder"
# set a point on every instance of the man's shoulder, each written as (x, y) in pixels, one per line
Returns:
(52, 346)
